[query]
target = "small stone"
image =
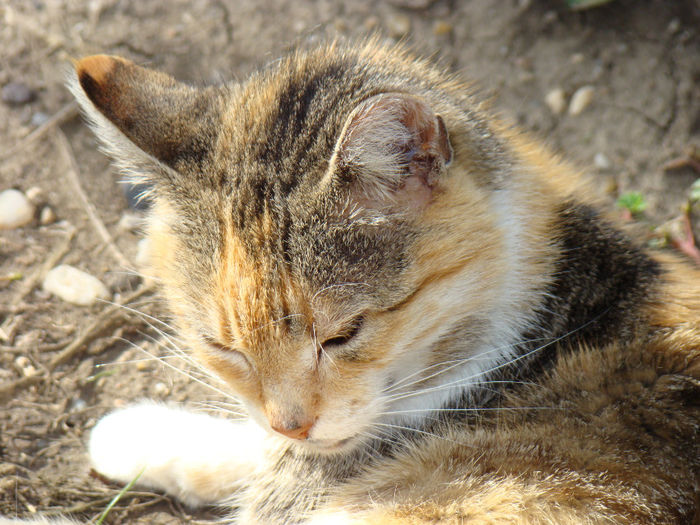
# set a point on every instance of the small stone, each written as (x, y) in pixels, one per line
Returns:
(412, 4)
(39, 118)
(143, 253)
(398, 25)
(47, 216)
(581, 99)
(35, 194)
(556, 101)
(74, 286)
(674, 26)
(17, 94)
(161, 389)
(15, 209)
(601, 162)
(371, 23)
(442, 28)
(130, 222)
(77, 405)
(340, 25)
(550, 17)
(25, 366)
(577, 58)
(143, 365)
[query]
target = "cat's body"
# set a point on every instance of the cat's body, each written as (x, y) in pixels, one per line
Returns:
(430, 309)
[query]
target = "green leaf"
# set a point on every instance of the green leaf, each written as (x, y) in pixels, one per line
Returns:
(116, 498)
(695, 191)
(632, 201)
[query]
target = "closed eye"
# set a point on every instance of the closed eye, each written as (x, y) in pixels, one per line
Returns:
(230, 354)
(345, 336)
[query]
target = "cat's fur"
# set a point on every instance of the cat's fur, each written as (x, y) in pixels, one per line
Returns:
(496, 349)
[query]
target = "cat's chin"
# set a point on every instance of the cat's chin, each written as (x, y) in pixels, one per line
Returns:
(326, 446)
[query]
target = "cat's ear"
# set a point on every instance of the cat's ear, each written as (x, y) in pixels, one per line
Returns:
(392, 151)
(149, 123)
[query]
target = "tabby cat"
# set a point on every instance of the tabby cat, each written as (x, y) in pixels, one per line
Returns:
(428, 314)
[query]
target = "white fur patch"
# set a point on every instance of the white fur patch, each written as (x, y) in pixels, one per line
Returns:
(195, 457)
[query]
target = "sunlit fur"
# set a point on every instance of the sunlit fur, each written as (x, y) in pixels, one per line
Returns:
(510, 341)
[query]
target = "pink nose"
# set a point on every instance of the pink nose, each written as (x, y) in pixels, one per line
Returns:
(293, 429)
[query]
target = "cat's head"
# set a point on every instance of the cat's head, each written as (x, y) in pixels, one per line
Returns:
(317, 249)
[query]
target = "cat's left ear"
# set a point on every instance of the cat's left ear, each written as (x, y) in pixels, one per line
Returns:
(392, 151)
(151, 124)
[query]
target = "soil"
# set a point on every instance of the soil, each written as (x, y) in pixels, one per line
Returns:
(641, 58)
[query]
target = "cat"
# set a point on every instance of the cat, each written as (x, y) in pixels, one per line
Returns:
(428, 317)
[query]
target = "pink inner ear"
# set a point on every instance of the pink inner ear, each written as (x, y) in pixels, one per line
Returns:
(399, 148)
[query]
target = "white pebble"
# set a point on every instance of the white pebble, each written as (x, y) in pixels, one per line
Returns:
(35, 194)
(47, 216)
(580, 100)
(556, 101)
(601, 161)
(398, 25)
(15, 209)
(161, 389)
(74, 286)
(25, 365)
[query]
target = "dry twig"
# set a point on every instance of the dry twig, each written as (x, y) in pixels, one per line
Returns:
(33, 280)
(72, 172)
(107, 319)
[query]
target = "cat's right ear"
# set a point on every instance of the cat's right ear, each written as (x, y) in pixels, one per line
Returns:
(392, 152)
(153, 126)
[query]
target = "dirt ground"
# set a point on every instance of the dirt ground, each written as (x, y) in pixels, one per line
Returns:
(642, 59)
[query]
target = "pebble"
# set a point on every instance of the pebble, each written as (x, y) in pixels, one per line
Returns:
(398, 25)
(161, 389)
(577, 58)
(74, 286)
(674, 26)
(25, 365)
(581, 99)
(412, 4)
(77, 405)
(47, 216)
(15, 209)
(17, 94)
(556, 101)
(601, 161)
(39, 118)
(36, 195)
(442, 28)
(371, 23)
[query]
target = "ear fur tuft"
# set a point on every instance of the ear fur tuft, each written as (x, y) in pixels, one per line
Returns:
(394, 148)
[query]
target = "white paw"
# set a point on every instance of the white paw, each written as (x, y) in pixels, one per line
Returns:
(197, 458)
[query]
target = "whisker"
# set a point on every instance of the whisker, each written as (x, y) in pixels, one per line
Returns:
(467, 409)
(455, 363)
(494, 368)
(180, 371)
(423, 432)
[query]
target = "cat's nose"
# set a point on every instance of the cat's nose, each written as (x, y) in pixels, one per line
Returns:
(293, 429)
